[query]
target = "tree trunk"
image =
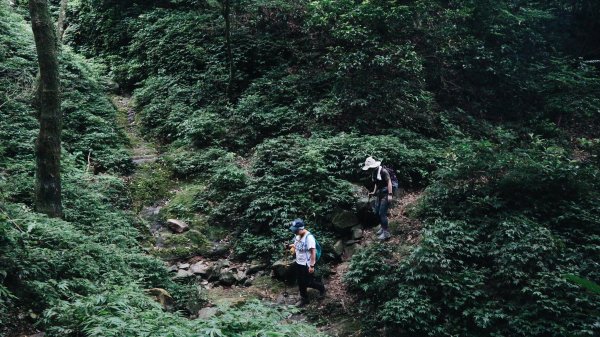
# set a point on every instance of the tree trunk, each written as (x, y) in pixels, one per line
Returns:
(227, 17)
(62, 16)
(48, 186)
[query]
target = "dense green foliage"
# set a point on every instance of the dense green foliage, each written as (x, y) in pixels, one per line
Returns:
(86, 275)
(492, 106)
(504, 226)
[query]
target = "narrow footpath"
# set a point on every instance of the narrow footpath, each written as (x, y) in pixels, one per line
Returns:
(226, 282)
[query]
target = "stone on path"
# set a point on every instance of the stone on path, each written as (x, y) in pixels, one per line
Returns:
(183, 273)
(280, 268)
(177, 226)
(338, 248)
(200, 268)
(357, 233)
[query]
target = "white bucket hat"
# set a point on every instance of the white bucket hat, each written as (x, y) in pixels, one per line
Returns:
(370, 162)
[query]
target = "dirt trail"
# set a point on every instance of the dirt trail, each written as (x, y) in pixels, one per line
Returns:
(338, 309)
(336, 314)
(143, 151)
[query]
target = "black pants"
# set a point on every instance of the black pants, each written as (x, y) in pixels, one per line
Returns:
(305, 280)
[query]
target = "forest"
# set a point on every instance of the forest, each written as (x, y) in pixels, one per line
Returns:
(154, 152)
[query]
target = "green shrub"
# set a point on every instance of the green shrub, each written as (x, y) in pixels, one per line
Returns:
(503, 227)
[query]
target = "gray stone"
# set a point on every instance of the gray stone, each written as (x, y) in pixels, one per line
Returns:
(248, 282)
(208, 312)
(182, 273)
(240, 277)
(349, 251)
(184, 265)
(281, 268)
(255, 267)
(177, 226)
(357, 233)
(343, 219)
(219, 250)
(338, 248)
(227, 278)
(350, 242)
(200, 268)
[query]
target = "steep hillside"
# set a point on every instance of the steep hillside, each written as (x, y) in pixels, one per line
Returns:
(85, 274)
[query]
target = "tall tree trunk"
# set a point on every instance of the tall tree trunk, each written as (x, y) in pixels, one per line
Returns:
(62, 16)
(227, 17)
(48, 185)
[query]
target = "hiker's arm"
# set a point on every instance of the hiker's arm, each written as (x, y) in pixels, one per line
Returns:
(390, 190)
(313, 258)
(374, 190)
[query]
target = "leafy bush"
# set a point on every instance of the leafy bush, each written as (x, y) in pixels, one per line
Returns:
(503, 227)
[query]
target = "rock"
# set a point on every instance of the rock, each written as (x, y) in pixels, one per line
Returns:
(184, 265)
(255, 267)
(182, 273)
(248, 282)
(177, 226)
(364, 211)
(350, 242)
(281, 269)
(343, 219)
(161, 296)
(338, 248)
(173, 268)
(208, 312)
(240, 277)
(227, 278)
(219, 250)
(200, 268)
(357, 233)
(39, 334)
(349, 251)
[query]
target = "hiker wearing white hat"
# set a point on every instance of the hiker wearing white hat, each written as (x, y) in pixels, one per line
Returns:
(385, 185)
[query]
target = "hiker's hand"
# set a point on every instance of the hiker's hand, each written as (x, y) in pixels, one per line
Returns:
(389, 198)
(311, 269)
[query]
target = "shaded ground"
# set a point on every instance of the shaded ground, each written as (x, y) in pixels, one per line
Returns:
(142, 151)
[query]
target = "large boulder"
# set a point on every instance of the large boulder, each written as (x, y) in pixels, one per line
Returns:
(338, 248)
(177, 226)
(200, 268)
(365, 213)
(343, 219)
(161, 296)
(219, 250)
(255, 267)
(281, 269)
(183, 273)
(227, 278)
(357, 233)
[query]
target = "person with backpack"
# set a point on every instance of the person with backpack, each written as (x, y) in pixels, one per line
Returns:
(307, 251)
(386, 184)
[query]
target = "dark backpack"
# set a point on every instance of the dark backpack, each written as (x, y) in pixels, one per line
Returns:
(393, 177)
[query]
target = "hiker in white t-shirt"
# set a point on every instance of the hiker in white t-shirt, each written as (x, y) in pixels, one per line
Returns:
(305, 248)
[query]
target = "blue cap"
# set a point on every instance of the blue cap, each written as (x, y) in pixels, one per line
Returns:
(297, 225)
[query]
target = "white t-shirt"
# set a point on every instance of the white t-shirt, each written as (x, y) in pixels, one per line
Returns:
(303, 246)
